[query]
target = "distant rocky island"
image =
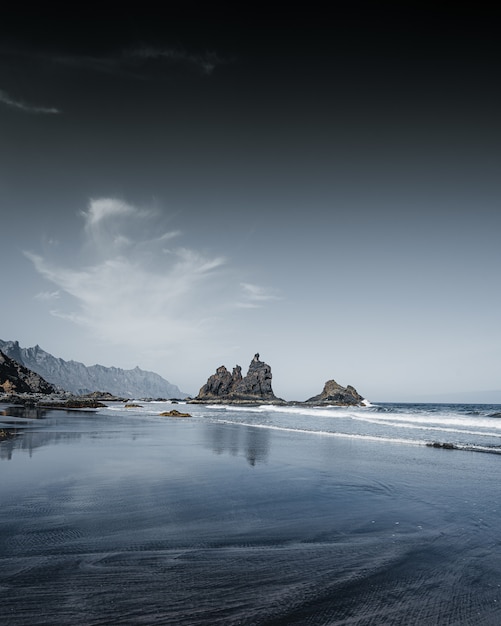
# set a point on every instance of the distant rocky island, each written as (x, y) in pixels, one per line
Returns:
(224, 387)
(80, 379)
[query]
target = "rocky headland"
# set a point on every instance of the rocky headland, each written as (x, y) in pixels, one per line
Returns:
(224, 387)
(16, 378)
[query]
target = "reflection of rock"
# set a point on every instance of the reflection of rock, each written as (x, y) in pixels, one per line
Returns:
(31, 440)
(256, 445)
(5, 434)
(223, 387)
(334, 393)
(251, 442)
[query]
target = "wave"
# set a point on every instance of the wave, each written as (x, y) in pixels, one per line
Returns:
(374, 438)
(326, 433)
(465, 423)
(327, 411)
(450, 425)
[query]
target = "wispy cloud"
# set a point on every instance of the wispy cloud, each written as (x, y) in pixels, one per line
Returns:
(255, 296)
(139, 61)
(136, 288)
(14, 103)
(48, 295)
(206, 62)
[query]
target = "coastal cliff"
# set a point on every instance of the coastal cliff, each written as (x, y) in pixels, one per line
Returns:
(224, 387)
(15, 378)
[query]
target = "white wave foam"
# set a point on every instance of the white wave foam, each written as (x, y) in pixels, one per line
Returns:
(327, 411)
(447, 429)
(431, 420)
(326, 433)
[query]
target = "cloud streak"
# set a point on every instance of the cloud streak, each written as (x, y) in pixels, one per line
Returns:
(141, 61)
(206, 62)
(255, 296)
(19, 105)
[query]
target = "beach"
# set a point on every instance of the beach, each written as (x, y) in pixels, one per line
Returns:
(246, 517)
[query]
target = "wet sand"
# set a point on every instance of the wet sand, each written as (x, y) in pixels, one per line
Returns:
(118, 520)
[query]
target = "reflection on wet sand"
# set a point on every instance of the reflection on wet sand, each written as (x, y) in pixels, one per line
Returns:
(31, 440)
(24, 435)
(32, 413)
(253, 443)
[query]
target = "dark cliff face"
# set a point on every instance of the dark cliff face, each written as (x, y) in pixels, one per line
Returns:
(225, 387)
(334, 393)
(15, 378)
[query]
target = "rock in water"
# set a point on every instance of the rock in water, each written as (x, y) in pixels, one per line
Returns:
(15, 378)
(334, 393)
(223, 387)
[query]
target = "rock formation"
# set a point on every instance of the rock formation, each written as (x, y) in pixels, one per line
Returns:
(80, 379)
(15, 378)
(334, 393)
(223, 387)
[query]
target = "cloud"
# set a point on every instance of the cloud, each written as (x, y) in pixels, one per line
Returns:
(139, 62)
(130, 288)
(22, 106)
(254, 296)
(206, 62)
(48, 295)
(104, 208)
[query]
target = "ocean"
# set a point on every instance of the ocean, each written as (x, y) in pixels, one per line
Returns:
(261, 515)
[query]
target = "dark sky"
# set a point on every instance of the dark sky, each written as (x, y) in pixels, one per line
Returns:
(328, 185)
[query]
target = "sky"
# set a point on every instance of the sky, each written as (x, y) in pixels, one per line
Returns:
(180, 192)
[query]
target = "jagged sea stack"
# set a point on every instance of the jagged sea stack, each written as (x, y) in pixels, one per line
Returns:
(225, 388)
(334, 393)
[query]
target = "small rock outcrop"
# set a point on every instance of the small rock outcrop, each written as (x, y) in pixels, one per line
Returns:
(334, 393)
(174, 413)
(223, 387)
(15, 378)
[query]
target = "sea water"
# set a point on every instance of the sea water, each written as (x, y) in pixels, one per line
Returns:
(251, 515)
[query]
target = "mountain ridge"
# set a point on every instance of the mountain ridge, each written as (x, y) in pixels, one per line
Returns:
(80, 379)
